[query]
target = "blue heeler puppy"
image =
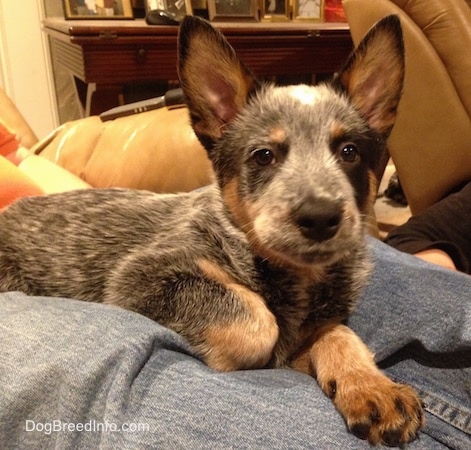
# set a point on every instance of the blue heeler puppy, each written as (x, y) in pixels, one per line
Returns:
(262, 268)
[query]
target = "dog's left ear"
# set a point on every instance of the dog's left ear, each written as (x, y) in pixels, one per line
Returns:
(374, 75)
(215, 82)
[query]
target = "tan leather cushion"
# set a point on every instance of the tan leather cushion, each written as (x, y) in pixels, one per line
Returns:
(447, 25)
(156, 150)
(431, 141)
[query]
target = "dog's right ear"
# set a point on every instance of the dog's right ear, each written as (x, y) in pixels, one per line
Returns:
(215, 82)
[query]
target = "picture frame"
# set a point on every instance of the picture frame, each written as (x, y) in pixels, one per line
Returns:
(224, 10)
(97, 9)
(308, 10)
(275, 10)
(178, 8)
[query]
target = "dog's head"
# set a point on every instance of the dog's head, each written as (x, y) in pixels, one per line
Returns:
(294, 163)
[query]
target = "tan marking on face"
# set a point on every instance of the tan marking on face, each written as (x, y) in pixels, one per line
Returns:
(244, 214)
(337, 130)
(368, 203)
(242, 210)
(373, 187)
(277, 135)
(367, 208)
(248, 341)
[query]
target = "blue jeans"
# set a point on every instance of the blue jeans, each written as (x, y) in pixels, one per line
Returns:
(78, 375)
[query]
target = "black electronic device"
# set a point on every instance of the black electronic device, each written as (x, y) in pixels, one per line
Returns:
(161, 17)
(173, 98)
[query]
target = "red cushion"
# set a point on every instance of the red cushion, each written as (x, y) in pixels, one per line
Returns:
(14, 184)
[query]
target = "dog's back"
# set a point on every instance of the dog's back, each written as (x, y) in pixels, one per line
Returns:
(68, 244)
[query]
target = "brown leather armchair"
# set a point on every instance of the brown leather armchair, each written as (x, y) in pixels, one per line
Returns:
(431, 141)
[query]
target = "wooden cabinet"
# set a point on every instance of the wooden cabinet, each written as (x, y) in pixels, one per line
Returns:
(108, 54)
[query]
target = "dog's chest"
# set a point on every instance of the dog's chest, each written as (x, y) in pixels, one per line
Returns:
(299, 303)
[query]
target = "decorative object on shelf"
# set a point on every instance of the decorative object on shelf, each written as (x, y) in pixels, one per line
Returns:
(199, 4)
(97, 9)
(275, 10)
(178, 8)
(233, 10)
(334, 12)
(308, 10)
(138, 8)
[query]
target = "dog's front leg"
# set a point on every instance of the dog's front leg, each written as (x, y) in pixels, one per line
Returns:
(244, 342)
(228, 325)
(373, 406)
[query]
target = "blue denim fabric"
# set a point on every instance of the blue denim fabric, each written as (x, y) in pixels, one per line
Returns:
(67, 364)
(416, 317)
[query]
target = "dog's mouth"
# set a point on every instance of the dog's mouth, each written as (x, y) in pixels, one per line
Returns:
(318, 256)
(303, 239)
(289, 246)
(325, 258)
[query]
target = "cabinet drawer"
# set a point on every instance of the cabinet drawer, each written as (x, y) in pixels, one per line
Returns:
(136, 62)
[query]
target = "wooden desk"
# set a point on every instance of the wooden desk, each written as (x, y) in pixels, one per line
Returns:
(106, 54)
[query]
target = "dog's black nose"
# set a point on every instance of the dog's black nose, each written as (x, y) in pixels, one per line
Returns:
(319, 219)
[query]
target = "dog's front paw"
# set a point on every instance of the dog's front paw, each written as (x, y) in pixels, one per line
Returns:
(377, 409)
(374, 407)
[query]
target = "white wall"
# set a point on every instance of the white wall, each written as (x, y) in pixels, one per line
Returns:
(25, 70)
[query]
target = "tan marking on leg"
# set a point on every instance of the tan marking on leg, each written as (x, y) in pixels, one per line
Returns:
(367, 399)
(248, 342)
(214, 272)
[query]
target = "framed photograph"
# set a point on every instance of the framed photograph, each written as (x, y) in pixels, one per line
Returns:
(308, 10)
(275, 10)
(178, 8)
(97, 9)
(233, 9)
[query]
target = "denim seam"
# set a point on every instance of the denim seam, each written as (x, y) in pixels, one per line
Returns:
(458, 417)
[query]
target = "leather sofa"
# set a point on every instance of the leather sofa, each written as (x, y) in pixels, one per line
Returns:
(431, 141)
(156, 150)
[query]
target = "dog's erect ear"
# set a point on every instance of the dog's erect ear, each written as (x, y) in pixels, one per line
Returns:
(374, 74)
(215, 82)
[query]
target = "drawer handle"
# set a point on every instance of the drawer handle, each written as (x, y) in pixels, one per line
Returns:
(141, 55)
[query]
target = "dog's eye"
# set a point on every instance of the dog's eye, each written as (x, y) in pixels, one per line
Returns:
(349, 153)
(263, 157)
